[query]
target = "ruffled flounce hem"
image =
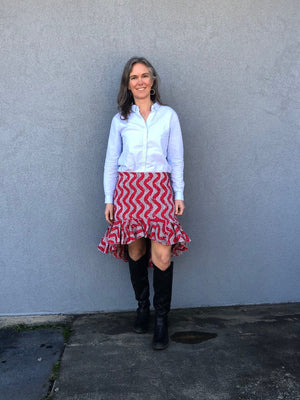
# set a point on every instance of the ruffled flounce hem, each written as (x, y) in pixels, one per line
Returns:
(121, 233)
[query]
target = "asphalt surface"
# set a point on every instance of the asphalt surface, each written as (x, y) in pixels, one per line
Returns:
(27, 358)
(224, 353)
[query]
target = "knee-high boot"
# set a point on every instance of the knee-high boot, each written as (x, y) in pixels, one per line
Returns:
(162, 284)
(139, 279)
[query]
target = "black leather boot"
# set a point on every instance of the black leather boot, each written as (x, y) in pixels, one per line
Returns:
(162, 284)
(139, 279)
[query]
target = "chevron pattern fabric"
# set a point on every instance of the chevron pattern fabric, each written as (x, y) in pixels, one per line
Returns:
(143, 207)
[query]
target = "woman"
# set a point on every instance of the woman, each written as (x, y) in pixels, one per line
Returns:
(143, 184)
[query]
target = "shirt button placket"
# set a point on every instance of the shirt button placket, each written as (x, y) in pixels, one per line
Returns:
(145, 147)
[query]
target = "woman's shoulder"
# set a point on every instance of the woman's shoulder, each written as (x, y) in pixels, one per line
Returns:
(167, 110)
(118, 119)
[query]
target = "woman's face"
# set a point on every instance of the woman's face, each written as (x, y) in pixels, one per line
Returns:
(140, 81)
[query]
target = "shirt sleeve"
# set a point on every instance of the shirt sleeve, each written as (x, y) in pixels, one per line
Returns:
(175, 157)
(113, 152)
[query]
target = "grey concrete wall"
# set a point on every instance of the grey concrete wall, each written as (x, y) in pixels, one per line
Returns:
(231, 70)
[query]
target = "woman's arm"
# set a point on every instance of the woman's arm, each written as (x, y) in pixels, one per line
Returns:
(113, 152)
(176, 161)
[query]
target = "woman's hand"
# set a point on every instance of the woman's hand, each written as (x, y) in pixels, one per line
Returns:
(109, 213)
(179, 207)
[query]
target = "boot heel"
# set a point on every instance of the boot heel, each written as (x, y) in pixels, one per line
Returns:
(141, 322)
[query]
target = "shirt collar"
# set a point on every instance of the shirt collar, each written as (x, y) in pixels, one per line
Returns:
(154, 107)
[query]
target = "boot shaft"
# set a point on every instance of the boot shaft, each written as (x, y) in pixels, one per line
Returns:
(162, 285)
(139, 279)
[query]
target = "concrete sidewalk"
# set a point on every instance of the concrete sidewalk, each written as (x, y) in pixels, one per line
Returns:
(229, 353)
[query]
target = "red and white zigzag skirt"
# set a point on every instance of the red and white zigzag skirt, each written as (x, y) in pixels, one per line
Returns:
(143, 207)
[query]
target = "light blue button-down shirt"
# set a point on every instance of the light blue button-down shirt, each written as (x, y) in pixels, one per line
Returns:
(136, 145)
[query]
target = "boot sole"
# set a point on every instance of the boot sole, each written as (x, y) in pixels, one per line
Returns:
(155, 347)
(140, 331)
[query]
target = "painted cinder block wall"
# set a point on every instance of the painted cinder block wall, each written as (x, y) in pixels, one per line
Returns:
(229, 68)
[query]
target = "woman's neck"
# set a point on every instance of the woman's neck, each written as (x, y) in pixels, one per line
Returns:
(144, 105)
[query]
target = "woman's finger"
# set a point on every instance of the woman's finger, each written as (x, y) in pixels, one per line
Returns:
(111, 216)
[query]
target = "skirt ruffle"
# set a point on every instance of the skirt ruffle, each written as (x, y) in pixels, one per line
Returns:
(125, 232)
(143, 208)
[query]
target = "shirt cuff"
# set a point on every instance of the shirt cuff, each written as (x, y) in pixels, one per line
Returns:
(179, 195)
(109, 199)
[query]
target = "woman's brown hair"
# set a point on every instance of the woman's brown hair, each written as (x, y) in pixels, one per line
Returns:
(125, 98)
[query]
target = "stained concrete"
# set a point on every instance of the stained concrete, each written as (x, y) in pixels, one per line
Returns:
(255, 356)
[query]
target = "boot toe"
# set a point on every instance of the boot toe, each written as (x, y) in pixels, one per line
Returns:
(160, 345)
(137, 328)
